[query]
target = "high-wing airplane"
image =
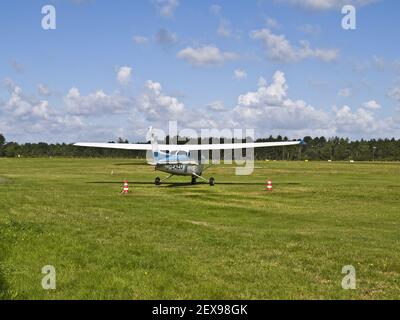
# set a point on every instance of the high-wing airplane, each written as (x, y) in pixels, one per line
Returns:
(178, 160)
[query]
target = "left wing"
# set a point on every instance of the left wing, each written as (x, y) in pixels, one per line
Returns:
(120, 146)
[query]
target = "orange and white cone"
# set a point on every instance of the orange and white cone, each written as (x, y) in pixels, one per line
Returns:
(269, 185)
(126, 187)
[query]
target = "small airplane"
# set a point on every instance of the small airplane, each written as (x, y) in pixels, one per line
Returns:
(177, 160)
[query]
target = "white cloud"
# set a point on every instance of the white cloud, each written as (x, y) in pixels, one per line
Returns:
(124, 75)
(166, 8)
(280, 49)
(216, 106)
(26, 115)
(269, 110)
(262, 82)
(362, 122)
(95, 104)
(240, 74)
(326, 4)
(140, 40)
(372, 105)
(205, 56)
(155, 105)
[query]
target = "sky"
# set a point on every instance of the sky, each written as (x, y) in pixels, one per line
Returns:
(111, 69)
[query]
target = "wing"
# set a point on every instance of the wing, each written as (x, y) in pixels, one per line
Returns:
(187, 147)
(227, 146)
(120, 146)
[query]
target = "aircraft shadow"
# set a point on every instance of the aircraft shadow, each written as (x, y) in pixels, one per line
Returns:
(188, 184)
(130, 164)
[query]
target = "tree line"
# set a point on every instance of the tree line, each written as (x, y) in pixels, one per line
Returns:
(318, 148)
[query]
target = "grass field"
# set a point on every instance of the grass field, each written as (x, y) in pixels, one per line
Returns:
(177, 241)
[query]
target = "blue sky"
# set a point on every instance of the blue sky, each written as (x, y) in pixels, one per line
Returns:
(112, 68)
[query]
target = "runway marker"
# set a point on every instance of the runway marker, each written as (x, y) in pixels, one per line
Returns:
(269, 185)
(126, 187)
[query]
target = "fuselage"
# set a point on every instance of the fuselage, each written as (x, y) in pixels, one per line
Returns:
(181, 169)
(179, 165)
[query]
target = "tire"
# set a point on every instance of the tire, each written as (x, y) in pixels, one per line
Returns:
(157, 181)
(194, 181)
(212, 182)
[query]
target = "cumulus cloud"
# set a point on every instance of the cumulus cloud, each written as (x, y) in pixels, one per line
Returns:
(124, 75)
(239, 74)
(270, 110)
(205, 56)
(278, 48)
(26, 115)
(166, 8)
(97, 103)
(361, 122)
(216, 106)
(326, 4)
(155, 105)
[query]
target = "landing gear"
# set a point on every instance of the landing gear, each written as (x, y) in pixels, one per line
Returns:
(194, 180)
(158, 180)
(212, 182)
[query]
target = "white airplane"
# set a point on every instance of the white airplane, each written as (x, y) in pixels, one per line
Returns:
(177, 160)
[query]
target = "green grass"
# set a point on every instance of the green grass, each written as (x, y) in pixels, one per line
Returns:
(177, 241)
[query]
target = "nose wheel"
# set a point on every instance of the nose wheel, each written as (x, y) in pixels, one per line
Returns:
(157, 182)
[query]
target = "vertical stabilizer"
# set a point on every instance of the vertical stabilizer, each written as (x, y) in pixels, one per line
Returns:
(154, 143)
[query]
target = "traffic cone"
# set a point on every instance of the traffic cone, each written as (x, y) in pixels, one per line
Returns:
(126, 187)
(269, 185)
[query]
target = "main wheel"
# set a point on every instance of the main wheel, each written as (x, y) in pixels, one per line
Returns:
(212, 182)
(194, 181)
(157, 181)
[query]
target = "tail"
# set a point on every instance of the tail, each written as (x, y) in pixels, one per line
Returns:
(151, 136)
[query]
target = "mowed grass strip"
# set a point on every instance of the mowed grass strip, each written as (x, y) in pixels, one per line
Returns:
(177, 241)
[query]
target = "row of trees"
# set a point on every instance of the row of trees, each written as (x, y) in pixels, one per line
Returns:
(319, 148)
